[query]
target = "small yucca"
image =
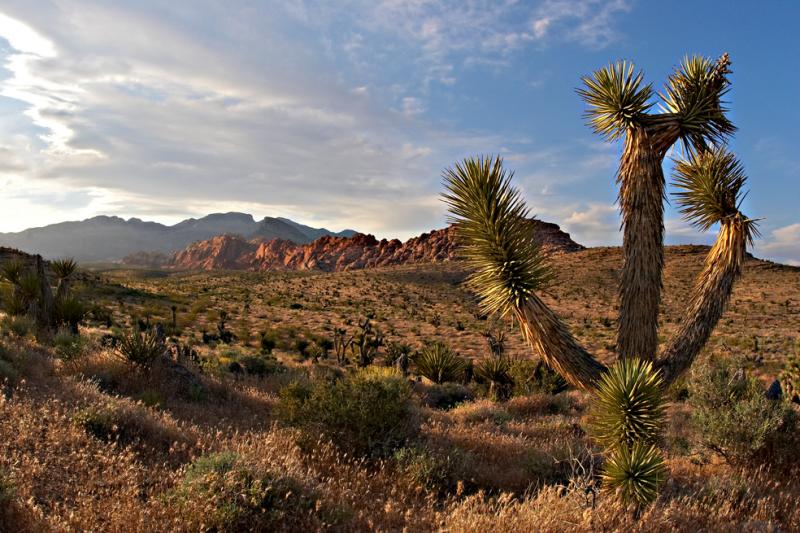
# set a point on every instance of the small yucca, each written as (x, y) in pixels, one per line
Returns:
(439, 363)
(140, 348)
(496, 370)
(629, 407)
(634, 473)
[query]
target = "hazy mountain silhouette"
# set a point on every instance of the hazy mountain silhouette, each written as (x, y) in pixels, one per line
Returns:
(109, 238)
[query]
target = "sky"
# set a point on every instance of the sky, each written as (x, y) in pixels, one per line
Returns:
(343, 114)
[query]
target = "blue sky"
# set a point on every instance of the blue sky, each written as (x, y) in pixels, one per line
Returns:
(344, 114)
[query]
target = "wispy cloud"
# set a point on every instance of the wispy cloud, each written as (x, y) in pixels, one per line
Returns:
(782, 244)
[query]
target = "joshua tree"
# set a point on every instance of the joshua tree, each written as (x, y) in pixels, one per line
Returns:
(510, 267)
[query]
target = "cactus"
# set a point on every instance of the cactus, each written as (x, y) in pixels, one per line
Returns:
(510, 269)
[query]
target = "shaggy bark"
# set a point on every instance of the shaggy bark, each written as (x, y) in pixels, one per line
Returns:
(711, 294)
(553, 342)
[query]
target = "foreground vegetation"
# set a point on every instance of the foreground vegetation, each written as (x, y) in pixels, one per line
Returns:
(274, 432)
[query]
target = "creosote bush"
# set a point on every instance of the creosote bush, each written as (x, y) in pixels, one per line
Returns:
(733, 417)
(222, 492)
(369, 413)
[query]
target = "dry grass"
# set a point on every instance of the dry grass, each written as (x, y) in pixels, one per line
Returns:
(508, 465)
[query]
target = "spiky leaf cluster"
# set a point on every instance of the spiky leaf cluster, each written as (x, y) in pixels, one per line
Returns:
(629, 407)
(141, 349)
(709, 186)
(439, 363)
(616, 98)
(634, 473)
(12, 270)
(495, 234)
(63, 268)
(694, 92)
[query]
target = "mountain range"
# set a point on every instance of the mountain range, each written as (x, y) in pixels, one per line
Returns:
(110, 238)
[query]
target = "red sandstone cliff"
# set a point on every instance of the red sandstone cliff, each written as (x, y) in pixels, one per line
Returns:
(331, 254)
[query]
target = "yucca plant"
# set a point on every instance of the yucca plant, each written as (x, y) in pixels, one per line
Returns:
(634, 474)
(64, 270)
(12, 270)
(140, 348)
(70, 312)
(438, 363)
(509, 267)
(629, 405)
(496, 371)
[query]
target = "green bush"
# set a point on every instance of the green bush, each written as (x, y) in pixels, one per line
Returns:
(261, 366)
(446, 395)
(532, 376)
(429, 470)
(223, 492)
(733, 417)
(369, 413)
(790, 377)
(140, 348)
(439, 363)
(19, 326)
(67, 345)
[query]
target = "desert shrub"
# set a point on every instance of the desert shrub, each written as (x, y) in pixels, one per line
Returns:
(223, 492)
(19, 326)
(495, 371)
(438, 363)
(790, 377)
(531, 376)
(140, 348)
(367, 413)
(261, 366)
(733, 417)
(430, 470)
(267, 343)
(67, 345)
(446, 395)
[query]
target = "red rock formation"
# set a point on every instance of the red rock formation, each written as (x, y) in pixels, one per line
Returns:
(331, 254)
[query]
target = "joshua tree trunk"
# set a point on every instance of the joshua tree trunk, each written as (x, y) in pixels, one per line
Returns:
(45, 309)
(711, 294)
(552, 341)
(641, 200)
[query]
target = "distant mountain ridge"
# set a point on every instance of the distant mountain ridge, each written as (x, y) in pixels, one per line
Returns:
(110, 238)
(335, 253)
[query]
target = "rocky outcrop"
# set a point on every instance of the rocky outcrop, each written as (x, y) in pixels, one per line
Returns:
(227, 252)
(334, 253)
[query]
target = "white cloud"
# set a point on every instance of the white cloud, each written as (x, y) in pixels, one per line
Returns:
(588, 22)
(783, 244)
(147, 109)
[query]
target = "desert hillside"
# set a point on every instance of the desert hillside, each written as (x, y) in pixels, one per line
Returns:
(97, 441)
